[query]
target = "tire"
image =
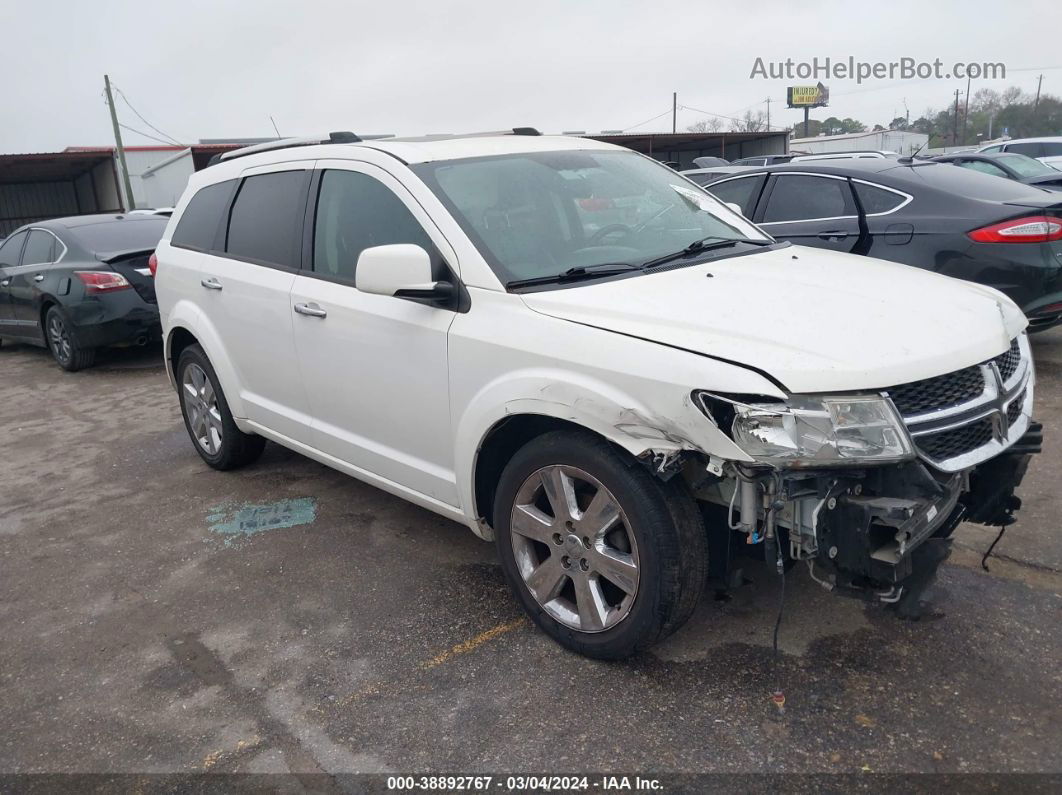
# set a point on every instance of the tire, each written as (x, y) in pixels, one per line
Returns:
(584, 576)
(62, 342)
(207, 417)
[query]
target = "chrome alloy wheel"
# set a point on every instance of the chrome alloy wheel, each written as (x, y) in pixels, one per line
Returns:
(59, 338)
(574, 548)
(201, 406)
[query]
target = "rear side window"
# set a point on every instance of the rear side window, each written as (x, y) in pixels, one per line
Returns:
(799, 198)
(743, 192)
(1028, 148)
(983, 167)
(356, 212)
(1052, 149)
(198, 227)
(39, 248)
(11, 249)
(877, 200)
(266, 218)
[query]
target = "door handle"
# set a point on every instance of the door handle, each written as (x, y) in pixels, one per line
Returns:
(837, 234)
(5, 283)
(39, 277)
(211, 283)
(310, 310)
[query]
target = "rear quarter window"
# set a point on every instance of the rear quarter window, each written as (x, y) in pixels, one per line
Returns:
(877, 200)
(202, 218)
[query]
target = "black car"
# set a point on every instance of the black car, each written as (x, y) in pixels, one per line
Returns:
(1009, 165)
(81, 283)
(932, 215)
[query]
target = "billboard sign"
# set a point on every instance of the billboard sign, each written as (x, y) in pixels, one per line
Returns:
(816, 96)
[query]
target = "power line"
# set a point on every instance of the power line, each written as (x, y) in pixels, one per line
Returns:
(152, 137)
(647, 120)
(149, 124)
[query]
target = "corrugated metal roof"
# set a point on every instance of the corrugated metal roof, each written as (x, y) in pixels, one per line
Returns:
(49, 166)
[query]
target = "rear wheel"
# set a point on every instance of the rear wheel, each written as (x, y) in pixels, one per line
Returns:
(63, 344)
(604, 557)
(207, 417)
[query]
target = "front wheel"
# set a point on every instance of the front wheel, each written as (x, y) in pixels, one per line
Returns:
(207, 417)
(604, 557)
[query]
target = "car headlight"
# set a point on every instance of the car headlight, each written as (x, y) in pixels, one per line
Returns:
(810, 430)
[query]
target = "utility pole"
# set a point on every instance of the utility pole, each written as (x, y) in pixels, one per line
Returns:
(955, 122)
(118, 142)
(768, 114)
(674, 111)
(1039, 82)
(966, 110)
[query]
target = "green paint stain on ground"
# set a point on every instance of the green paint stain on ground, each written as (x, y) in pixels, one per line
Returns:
(237, 523)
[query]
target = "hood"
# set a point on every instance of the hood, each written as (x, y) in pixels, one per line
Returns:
(814, 320)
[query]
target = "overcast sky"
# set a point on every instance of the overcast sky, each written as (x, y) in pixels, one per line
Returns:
(220, 69)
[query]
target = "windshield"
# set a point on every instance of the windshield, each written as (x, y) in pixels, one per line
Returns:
(1027, 166)
(541, 214)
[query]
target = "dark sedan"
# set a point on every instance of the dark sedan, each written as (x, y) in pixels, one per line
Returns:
(932, 215)
(1009, 165)
(81, 283)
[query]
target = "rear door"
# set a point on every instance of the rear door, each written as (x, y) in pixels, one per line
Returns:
(10, 256)
(810, 210)
(42, 249)
(375, 367)
(240, 273)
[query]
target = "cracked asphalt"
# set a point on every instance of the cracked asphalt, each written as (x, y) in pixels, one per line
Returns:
(150, 626)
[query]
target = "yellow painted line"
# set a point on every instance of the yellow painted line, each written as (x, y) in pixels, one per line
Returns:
(472, 643)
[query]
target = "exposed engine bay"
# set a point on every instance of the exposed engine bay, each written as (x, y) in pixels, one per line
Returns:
(960, 443)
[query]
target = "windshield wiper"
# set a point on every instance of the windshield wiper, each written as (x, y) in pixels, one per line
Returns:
(702, 245)
(578, 273)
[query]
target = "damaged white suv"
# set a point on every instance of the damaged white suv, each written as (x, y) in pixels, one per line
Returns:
(574, 350)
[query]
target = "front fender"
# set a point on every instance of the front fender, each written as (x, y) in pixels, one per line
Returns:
(665, 422)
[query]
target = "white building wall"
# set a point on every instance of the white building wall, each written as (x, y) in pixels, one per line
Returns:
(163, 185)
(900, 141)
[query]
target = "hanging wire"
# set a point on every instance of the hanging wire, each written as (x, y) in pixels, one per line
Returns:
(125, 99)
(152, 137)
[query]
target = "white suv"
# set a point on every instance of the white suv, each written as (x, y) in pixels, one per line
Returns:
(575, 351)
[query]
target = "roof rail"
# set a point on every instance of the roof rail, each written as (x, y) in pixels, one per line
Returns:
(342, 137)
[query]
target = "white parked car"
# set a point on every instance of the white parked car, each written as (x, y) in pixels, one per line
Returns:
(1048, 149)
(623, 405)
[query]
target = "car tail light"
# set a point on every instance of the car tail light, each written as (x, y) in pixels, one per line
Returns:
(97, 282)
(1051, 309)
(153, 265)
(1033, 229)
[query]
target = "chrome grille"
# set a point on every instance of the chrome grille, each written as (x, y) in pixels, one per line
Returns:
(948, 444)
(960, 419)
(939, 392)
(1009, 361)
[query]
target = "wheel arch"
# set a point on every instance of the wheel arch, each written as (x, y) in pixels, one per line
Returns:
(186, 326)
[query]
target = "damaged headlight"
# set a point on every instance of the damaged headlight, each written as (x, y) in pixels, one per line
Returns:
(809, 430)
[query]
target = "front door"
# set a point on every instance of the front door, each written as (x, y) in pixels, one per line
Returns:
(375, 367)
(10, 256)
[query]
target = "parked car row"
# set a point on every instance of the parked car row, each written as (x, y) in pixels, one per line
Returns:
(932, 215)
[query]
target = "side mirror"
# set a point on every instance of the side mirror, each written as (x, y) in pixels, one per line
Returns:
(736, 208)
(401, 270)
